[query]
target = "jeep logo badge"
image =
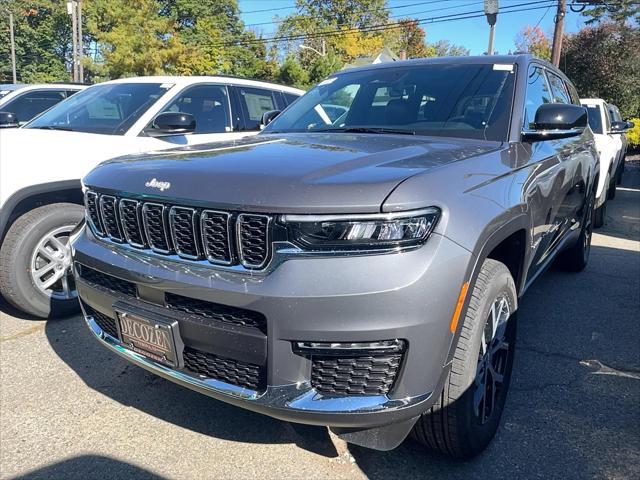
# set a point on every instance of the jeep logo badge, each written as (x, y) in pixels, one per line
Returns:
(162, 186)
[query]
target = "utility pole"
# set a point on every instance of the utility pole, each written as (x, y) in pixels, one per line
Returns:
(71, 9)
(558, 32)
(324, 48)
(80, 49)
(13, 49)
(491, 11)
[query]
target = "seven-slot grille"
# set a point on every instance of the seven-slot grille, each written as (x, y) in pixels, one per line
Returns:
(222, 238)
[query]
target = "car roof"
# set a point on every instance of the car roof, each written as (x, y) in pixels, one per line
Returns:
(599, 101)
(226, 80)
(19, 86)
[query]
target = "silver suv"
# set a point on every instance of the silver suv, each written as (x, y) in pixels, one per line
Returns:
(358, 264)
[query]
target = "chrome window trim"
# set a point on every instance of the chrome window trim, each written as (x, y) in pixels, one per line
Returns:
(359, 216)
(138, 207)
(229, 237)
(104, 198)
(194, 233)
(98, 229)
(145, 208)
(239, 241)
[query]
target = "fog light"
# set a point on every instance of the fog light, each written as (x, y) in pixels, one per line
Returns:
(338, 348)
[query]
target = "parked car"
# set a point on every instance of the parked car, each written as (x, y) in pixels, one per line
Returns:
(19, 102)
(42, 163)
(609, 145)
(614, 114)
(360, 271)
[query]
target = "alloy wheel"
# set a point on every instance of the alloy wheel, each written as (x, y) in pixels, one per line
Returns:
(51, 265)
(493, 358)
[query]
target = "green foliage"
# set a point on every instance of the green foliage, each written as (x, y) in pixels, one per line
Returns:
(411, 39)
(533, 40)
(444, 48)
(634, 134)
(603, 61)
(619, 11)
(322, 67)
(42, 36)
(292, 73)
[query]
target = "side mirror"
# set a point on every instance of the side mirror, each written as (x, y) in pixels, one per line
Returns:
(557, 120)
(172, 123)
(8, 120)
(618, 127)
(267, 117)
(630, 124)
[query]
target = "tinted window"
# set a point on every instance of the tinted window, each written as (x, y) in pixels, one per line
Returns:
(290, 97)
(30, 104)
(558, 89)
(455, 100)
(614, 113)
(209, 104)
(108, 108)
(254, 102)
(537, 94)
(573, 93)
(595, 118)
(71, 92)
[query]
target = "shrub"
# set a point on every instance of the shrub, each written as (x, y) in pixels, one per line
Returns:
(634, 135)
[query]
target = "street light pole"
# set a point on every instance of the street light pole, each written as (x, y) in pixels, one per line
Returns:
(80, 50)
(71, 9)
(321, 53)
(491, 11)
(13, 49)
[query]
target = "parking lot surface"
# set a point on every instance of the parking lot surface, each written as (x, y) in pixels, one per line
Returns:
(71, 409)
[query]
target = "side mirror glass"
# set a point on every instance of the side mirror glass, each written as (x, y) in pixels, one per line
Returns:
(267, 117)
(172, 123)
(557, 120)
(8, 120)
(630, 124)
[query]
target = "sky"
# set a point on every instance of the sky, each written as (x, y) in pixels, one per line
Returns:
(471, 33)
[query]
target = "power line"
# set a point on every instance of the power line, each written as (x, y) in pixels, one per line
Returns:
(393, 16)
(291, 7)
(387, 26)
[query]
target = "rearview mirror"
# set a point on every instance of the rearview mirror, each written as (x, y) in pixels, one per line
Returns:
(172, 123)
(557, 120)
(618, 127)
(8, 120)
(267, 117)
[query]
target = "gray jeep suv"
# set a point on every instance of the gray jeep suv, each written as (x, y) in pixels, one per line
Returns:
(357, 267)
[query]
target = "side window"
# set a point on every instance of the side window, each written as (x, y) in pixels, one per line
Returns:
(537, 94)
(573, 93)
(33, 103)
(71, 92)
(290, 97)
(254, 102)
(209, 105)
(558, 89)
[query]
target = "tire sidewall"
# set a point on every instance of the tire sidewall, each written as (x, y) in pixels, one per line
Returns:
(478, 436)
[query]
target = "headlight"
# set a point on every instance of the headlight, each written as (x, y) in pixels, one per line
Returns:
(361, 232)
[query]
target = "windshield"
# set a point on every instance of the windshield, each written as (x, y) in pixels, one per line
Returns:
(595, 118)
(453, 100)
(109, 109)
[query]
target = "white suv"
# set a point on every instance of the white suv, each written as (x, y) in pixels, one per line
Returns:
(608, 144)
(20, 102)
(41, 164)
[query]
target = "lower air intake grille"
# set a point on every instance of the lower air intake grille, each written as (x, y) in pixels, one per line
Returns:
(102, 280)
(355, 375)
(224, 369)
(105, 322)
(223, 313)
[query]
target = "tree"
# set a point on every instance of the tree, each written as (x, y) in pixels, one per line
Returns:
(619, 11)
(42, 31)
(324, 66)
(292, 73)
(603, 61)
(534, 41)
(444, 48)
(411, 39)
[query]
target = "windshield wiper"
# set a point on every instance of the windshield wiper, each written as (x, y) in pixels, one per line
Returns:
(54, 127)
(379, 130)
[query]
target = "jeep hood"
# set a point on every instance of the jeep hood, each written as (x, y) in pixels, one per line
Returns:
(285, 173)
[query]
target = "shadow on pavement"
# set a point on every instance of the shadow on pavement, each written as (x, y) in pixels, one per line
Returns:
(87, 467)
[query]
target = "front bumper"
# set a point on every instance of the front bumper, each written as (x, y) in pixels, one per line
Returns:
(409, 296)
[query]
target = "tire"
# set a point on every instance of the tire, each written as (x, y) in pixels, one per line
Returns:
(620, 171)
(455, 424)
(576, 258)
(47, 227)
(611, 191)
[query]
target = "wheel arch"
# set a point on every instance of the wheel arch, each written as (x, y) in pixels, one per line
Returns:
(33, 196)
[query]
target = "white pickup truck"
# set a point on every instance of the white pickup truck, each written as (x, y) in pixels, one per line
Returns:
(42, 162)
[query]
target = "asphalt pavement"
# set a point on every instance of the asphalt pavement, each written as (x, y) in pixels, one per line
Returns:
(69, 409)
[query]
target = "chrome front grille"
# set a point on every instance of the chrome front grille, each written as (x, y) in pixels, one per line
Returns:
(222, 238)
